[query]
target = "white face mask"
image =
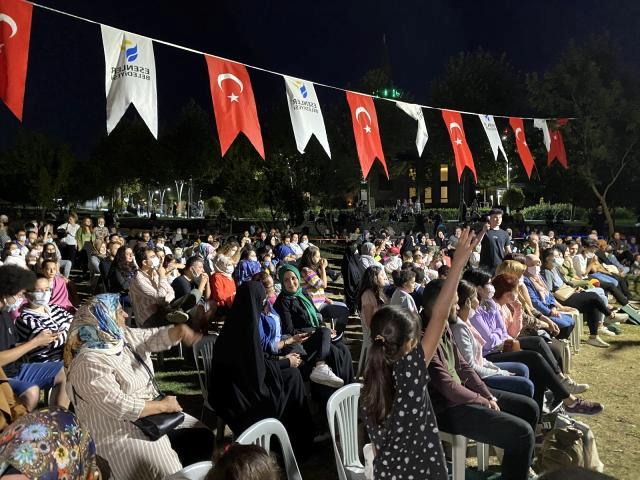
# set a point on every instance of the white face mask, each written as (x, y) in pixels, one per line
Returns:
(15, 253)
(490, 290)
(229, 269)
(589, 255)
(558, 261)
(155, 262)
(41, 298)
(534, 270)
(22, 238)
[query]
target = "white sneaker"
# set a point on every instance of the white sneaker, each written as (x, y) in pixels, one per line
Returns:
(597, 342)
(606, 331)
(323, 375)
(573, 387)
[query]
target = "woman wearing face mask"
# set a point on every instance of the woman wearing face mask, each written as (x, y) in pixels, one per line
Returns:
(508, 376)
(590, 304)
(11, 256)
(543, 299)
(223, 288)
(38, 315)
(247, 267)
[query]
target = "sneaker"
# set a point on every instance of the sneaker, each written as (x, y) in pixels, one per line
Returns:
(584, 407)
(573, 387)
(614, 328)
(606, 331)
(597, 342)
(323, 375)
(178, 317)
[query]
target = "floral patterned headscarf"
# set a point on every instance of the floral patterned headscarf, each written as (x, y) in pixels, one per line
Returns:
(49, 444)
(95, 327)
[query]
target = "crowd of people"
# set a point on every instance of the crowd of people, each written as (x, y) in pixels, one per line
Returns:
(464, 330)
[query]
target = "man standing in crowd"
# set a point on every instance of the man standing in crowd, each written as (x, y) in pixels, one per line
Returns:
(495, 243)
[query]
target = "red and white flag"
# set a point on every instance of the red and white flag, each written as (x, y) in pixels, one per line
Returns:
(366, 131)
(15, 33)
(556, 149)
(233, 103)
(461, 150)
(521, 142)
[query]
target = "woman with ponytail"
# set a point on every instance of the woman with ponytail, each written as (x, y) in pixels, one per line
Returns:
(395, 402)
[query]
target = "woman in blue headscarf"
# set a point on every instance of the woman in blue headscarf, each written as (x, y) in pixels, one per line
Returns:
(110, 390)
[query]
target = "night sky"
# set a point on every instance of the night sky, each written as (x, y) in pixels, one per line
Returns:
(327, 41)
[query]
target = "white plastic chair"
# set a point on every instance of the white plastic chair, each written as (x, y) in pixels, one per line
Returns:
(343, 407)
(366, 343)
(576, 333)
(204, 349)
(197, 471)
(566, 356)
(459, 454)
(260, 434)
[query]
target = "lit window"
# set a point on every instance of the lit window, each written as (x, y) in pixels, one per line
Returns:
(412, 173)
(444, 173)
(412, 192)
(428, 196)
(444, 194)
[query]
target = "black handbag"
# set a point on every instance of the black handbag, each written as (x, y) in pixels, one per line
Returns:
(158, 425)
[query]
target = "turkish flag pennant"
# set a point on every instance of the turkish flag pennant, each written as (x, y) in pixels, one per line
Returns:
(556, 149)
(366, 132)
(233, 103)
(521, 142)
(15, 33)
(461, 150)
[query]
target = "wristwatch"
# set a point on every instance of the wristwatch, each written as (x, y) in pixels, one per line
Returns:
(493, 399)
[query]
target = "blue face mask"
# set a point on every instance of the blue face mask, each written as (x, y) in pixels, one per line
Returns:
(12, 307)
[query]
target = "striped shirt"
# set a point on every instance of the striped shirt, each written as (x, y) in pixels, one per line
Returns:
(147, 293)
(109, 392)
(313, 286)
(31, 322)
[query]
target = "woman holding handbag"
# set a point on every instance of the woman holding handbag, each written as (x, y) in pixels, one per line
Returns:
(110, 382)
(590, 304)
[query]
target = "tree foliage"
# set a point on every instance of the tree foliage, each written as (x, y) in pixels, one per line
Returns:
(602, 143)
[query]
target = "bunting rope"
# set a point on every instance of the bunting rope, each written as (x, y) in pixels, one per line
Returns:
(273, 72)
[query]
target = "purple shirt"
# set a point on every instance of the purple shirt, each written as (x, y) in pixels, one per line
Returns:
(488, 322)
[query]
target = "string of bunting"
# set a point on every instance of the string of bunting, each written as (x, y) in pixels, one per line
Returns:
(130, 78)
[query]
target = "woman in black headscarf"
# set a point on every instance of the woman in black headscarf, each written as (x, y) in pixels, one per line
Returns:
(352, 272)
(246, 387)
(408, 244)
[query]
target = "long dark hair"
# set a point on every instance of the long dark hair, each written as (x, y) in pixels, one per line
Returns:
(391, 328)
(120, 261)
(306, 261)
(368, 282)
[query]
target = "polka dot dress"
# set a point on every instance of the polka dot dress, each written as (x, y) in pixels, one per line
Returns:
(407, 444)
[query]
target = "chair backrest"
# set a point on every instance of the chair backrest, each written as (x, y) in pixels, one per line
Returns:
(342, 408)
(197, 471)
(204, 348)
(260, 434)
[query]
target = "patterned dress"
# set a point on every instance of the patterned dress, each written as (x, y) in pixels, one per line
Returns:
(407, 444)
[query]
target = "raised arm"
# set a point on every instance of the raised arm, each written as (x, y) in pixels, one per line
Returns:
(467, 243)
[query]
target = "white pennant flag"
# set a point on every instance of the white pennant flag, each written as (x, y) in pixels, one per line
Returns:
(415, 112)
(493, 135)
(130, 70)
(542, 125)
(306, 116)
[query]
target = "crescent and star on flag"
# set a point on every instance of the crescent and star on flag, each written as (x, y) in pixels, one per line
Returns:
(11, 22)
(359, 110)
(230, 76)
(453, 125)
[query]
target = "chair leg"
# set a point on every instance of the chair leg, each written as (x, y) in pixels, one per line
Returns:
(220, 430)
(363, 358)
(483, 456)
(458, 456)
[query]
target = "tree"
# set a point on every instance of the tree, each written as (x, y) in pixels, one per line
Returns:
(602, 143)
(36, 170)
(513, 198)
